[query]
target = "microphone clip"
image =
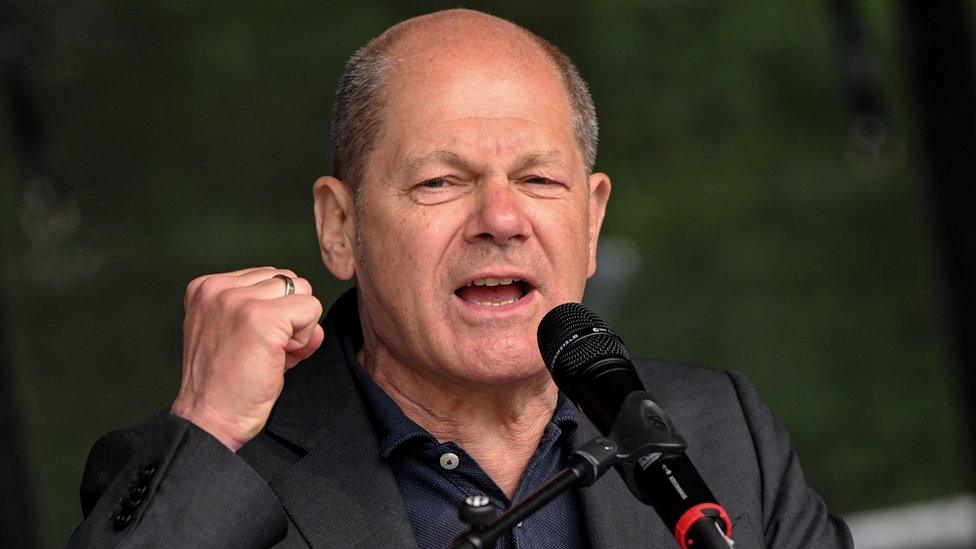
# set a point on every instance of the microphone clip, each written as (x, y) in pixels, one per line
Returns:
(644, 435)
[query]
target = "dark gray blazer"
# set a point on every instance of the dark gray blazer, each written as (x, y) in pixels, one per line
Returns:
(314, 476)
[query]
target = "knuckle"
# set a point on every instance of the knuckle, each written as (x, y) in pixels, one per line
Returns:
(304, 286)
(311, 308)
(193, 287)
(224, 299)
(210, 289)
(251, 312)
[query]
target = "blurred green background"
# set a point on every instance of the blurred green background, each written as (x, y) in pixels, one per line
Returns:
(186, 137)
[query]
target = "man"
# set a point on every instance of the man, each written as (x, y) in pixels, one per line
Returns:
(465, 206)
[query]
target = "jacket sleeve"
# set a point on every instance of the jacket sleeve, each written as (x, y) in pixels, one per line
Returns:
(168, 483)
(793, 514)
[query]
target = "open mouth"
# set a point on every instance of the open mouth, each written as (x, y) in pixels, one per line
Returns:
(494, 292)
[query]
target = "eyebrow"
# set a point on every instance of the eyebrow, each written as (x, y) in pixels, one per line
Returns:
(441, 156)
(547, 158)
(451, 158)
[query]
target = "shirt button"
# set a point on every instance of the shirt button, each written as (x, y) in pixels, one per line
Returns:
(449, 460)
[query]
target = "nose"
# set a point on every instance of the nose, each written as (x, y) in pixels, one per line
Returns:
(499, 214)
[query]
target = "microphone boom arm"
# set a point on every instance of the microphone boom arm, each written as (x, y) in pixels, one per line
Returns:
(586, 464)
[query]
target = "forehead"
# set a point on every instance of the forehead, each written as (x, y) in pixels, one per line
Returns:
(485, 90)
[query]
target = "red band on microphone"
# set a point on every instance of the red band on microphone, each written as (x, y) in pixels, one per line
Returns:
(695, 514)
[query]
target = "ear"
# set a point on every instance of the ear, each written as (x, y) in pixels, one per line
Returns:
(599, 196)
(335, 226)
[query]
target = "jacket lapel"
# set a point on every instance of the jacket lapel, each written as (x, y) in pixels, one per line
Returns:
(341, 493)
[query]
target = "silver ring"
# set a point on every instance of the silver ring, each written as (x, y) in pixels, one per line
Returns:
(289, 283)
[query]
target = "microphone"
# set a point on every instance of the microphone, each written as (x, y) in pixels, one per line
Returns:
(591, 366)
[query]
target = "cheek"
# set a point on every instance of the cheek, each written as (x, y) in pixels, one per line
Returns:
(408, 245)
(565, 234)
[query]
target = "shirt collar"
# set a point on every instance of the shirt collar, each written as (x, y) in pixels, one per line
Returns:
(393, 427)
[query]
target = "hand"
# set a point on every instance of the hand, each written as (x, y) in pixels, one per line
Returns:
(240, 334)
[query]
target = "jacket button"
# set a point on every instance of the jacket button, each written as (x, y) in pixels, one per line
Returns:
(136, 491)
(130, 504)
(147, 472)
(121, 520)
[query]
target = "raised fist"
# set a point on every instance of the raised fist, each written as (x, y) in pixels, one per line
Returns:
(241, 332)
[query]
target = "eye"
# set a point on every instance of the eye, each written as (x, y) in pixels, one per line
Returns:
(541, 186)
(435, 183)
(437, 190)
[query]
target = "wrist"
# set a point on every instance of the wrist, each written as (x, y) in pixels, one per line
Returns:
(216, 426)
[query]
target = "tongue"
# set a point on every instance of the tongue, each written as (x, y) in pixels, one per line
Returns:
(490, 294)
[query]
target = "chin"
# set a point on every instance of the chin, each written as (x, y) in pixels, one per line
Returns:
(495, 365)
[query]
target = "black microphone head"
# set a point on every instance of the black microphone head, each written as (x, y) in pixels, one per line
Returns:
(572, 337)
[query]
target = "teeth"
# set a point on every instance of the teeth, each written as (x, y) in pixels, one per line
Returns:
(495, 304)
(493, 281)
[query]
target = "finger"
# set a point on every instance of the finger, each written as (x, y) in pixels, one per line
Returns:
(300, 337)
(296, 314)
(279, 319)
(314, 342)
(271, 288)
(247, 270)
(262, 273)
(210, 285)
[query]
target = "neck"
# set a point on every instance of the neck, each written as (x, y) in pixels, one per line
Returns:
(499, 426)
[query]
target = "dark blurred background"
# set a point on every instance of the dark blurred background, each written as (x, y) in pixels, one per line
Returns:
(791, 183)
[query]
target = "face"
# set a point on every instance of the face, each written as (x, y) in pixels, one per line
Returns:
(478, 218)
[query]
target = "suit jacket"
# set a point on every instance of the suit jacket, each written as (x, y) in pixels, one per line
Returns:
(314, 476)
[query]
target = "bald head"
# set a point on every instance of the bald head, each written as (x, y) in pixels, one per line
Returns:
(461, 32)
(416, 49)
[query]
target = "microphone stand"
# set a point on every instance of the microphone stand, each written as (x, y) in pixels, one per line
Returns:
(646, 449)
(586, 464)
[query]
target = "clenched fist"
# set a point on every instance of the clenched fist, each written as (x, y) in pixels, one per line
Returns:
(240, 334)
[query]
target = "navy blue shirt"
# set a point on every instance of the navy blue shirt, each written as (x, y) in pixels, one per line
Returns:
(434, 477)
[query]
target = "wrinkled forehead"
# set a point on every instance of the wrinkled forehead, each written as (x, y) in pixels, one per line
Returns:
(472, 84)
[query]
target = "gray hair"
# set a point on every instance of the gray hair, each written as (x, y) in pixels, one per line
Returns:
(357, 114)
